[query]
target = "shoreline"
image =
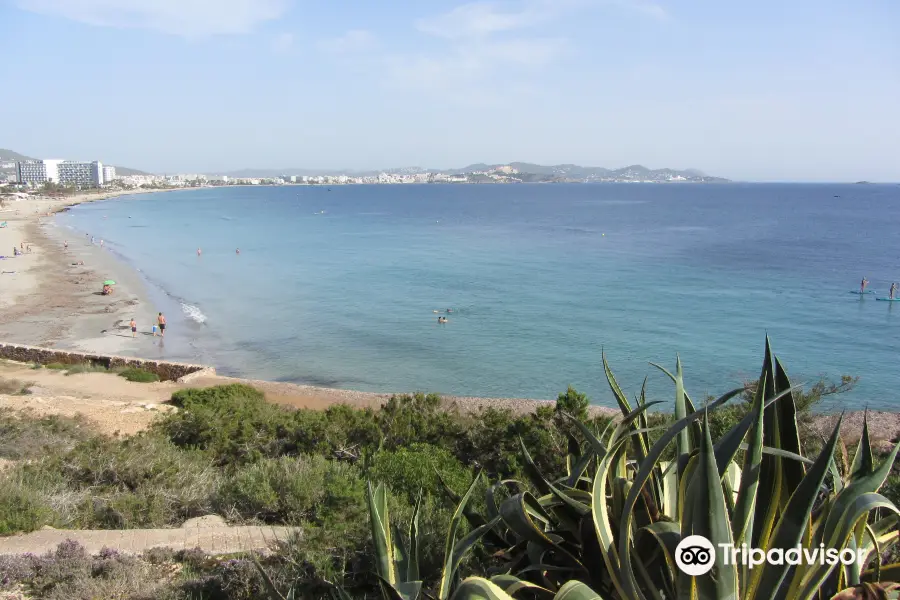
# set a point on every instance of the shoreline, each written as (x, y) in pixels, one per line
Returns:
(55, 304)
(50, 302)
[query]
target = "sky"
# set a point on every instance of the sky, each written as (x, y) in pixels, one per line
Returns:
(769, 90)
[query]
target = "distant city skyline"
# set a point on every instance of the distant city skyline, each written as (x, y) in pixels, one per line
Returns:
(768, 91)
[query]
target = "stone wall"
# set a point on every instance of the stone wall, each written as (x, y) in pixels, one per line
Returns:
(167, 371)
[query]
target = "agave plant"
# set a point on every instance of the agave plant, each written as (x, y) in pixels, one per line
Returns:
(609, 528)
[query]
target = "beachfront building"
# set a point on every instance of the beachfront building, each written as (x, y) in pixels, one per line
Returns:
(109, 173)
(82, 174)
(37, 171)
(63, 172)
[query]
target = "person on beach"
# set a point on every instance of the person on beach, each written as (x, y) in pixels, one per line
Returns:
(862, 285)
(101, 243)
(162, 324)
(66, 245)
(893, 289)
(153, 329)
(133, 328)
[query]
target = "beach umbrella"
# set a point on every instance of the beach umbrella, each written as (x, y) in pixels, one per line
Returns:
(109, 282)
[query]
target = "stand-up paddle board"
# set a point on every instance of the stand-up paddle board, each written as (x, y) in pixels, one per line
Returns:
(861, 293)
(888, 299)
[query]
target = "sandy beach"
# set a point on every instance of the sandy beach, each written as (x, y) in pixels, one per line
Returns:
(50, 296)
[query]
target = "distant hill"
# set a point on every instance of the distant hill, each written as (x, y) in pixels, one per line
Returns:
(575, 172)
(530, 171)
(10, 156)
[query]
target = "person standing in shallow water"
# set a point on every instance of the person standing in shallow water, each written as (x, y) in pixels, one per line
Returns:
(161, 320)
(133, 328)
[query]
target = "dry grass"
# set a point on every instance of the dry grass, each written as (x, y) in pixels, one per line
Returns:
(15, 387)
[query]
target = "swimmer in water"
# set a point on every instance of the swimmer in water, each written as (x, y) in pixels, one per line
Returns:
(237, 251)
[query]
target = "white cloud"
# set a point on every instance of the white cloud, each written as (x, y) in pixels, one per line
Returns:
(648, 9)
(355, 40)
(188, 18)
(477, 19)
(282, 42)
(485, 17)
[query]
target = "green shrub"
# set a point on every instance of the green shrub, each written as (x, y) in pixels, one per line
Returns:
(57, 366)
(86, 368)
(233, 423)
(139, 375)
(406, 471)
(22, 509)
(293, 489)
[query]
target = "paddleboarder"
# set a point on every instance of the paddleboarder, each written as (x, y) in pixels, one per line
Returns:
(893, 289)
(862, 285)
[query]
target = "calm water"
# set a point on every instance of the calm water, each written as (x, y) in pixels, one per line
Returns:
(541, 278)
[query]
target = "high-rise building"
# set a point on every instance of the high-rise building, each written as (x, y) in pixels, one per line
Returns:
(85, 174)
(64, 172)
(109, 173)
(37, 171)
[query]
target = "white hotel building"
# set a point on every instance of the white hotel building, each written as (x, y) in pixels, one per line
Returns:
(63, 172)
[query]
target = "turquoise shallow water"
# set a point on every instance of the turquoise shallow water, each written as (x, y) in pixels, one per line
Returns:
(542, 277)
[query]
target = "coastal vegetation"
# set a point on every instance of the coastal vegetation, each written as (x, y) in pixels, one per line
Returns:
(135, 374)
(418, 499)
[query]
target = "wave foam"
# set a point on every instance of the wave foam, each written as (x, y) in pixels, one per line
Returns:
(193, 313)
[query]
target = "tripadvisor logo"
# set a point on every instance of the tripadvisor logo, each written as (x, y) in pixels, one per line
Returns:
(695, 555)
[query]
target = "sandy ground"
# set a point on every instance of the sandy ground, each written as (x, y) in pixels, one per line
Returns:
(48, 298)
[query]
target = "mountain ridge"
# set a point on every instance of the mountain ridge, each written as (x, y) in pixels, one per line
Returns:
(553, 172)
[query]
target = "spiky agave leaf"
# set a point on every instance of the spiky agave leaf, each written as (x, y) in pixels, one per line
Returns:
(766, 580)
(627, 577)
(451, 559)
(381, 533)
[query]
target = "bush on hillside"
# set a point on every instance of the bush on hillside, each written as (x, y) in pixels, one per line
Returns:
(408, 471)
(292, 490)
(139, 375)
(21, 509)
(232, 423)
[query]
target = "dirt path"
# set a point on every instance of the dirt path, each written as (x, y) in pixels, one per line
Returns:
(214, 539)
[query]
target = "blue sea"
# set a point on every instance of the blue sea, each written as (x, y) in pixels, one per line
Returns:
(338, 286)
